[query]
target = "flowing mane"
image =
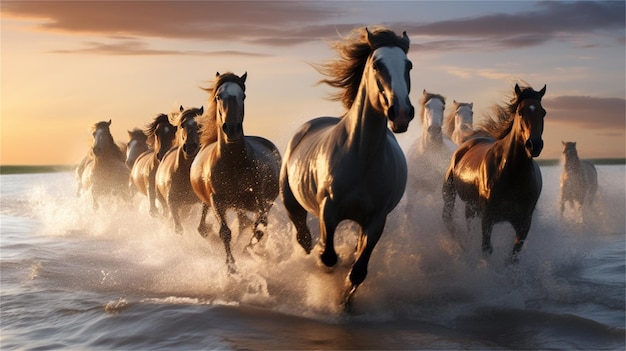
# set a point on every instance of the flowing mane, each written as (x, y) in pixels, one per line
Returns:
(500, 122)
(448, 120)
(346, 72)
(151, 127)
(425, 98)
(208, 131)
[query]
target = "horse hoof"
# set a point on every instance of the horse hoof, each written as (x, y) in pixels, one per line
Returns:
(329, 259)
(203, 230)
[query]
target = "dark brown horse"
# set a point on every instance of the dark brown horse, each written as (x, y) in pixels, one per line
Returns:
(237, 172)
(494, 172)
(137, 145)
(352, 168)
(161, 135)
(172, 177)
(105, 172)
(579, 180)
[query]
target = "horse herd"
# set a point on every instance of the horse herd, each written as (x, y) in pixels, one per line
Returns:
(337, 168)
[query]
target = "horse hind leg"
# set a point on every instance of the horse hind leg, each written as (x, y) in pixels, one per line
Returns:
(257, 233)
(203, 227)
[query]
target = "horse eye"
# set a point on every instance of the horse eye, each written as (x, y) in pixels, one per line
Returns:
(218, 97)
(375, 67)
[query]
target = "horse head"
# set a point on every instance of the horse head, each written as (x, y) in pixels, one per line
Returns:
(137, 144)
(229, 100)
(102, 138)
(463, 116)
(387, 71)
(569, 151)
(432, 107)
(189, 131)
(164, 134)
(532, 114)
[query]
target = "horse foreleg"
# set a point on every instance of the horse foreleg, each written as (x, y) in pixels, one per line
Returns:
(448, 192)
(152, 195)
(225, 234)
(203, 228)
(487, 227)
(521, 232)
(297, 214)
(257, 233)
(328, 224)
(178, 227)
(367, 241)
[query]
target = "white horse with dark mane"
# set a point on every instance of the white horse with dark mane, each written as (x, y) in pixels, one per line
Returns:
(429, 156)
(458, 124)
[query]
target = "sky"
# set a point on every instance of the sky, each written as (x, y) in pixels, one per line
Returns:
(67, 65)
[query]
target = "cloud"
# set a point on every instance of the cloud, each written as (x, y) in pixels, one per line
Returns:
(287, 23)
(139, 48)
(588, 112)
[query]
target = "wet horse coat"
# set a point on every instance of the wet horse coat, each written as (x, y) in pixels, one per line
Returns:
(174, 190)
(162, 135)
(352, 168)
(237, 171)
(494, 172)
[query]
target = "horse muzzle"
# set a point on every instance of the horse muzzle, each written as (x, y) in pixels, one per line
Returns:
(399, 118)
(534, 147)
(190, 149)
(233, 132)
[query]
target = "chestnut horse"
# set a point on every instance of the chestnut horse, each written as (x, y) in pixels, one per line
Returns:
(172, 176)
(237, 172)
(494, 172)
(352, 167)
(161, 134)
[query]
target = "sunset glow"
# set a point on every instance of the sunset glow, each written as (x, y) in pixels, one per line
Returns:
(67, 65)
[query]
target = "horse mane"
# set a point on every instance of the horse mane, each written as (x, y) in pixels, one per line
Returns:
(152, 127)
(425, 98)
(346, 72)
(448, 119)
(500, 122)
(208, 128)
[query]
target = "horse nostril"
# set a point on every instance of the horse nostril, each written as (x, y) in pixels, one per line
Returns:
(225, 128)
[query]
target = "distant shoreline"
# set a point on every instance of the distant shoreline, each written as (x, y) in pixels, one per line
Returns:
(26, 169)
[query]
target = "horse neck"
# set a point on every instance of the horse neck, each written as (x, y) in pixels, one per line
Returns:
(366, 127)
(514, 155)
(231, 151)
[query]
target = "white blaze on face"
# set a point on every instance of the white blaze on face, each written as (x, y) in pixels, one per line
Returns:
(395, 61)
(433, 113)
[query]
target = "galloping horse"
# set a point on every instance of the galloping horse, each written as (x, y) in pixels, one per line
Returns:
(172, 177)
(352, 167)
(137, 145)
(106, 173)
(458, 123)
(162, 135)
(494, 172)
(429, 156)
(237, 172)
(579, 180)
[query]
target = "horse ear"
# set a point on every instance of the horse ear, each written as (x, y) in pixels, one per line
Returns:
(369, 36)
(406, 37)
(201, 110)
(424, 92)
(245, 75)
(518, 91)
(471, 105)
(181, 108)
(542, 91)
(217, 74)
(109, 123)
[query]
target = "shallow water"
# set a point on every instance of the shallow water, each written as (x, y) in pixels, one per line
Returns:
(119, 279)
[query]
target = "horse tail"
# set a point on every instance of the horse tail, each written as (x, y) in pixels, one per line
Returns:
(449, 197)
